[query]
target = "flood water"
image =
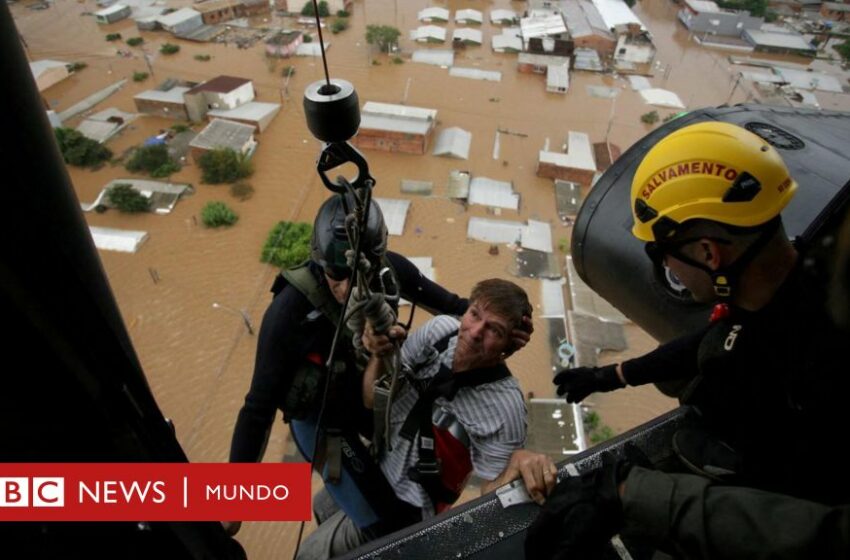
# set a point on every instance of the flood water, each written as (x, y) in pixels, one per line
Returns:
(199, 359)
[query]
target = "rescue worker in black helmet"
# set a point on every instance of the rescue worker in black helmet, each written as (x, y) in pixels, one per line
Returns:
(293, 345)
(767, 373)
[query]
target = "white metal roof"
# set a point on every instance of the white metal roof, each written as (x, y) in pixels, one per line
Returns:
(404, 111)
(114, 8)
(639, 83)
(558, 76)
(506, 41)
(778, 40)
(40, 66)
(458, 184)
(453, 142)
(538, 236)
(661, 98)
(489, 192)
(587, 59)
(802, 79)
(703, 6)
(469, 15)
(110, 239)
(579, 153)
(494, 231)
(174, 95)
(251, 111)
(311, 49)
(552, 297)
(221, 133)
(410, 186)
(394, 124)
(502, 15)
(181, 15)
(475, 74)
(542, 59)
(583, 19)
(616, 14)
(428, 32)
(542, 26)
(433, 13)
(435, 57)
(762, 77)
(467, 34)
(395, 213)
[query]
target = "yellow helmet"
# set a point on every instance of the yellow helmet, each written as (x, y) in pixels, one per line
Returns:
(714, 171)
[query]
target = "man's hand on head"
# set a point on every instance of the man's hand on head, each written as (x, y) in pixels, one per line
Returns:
(521, 335)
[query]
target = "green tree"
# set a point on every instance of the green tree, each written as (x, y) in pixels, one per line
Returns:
(650, 117)
(843, 49)
(308, 9)
(134, 41)
(113, 37)
(127, 199)
(78, 150)
(224, 165)
(154, 160)
(338, 25)
(203, 57)
(140, 76)
(384, 36)
(242, 190)
(169, 48)
(217, 214)
(288, 244)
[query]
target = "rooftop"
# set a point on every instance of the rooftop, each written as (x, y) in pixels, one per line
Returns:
(542, 26)
(615, 13)
(251, 111)
(179, 16)
(114, 8)
(220, 84)
(579, 153)
(174, 95)
(223, 134)
(40, 66)
(778, 40)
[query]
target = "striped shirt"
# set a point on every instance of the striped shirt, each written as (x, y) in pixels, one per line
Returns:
(493, 415)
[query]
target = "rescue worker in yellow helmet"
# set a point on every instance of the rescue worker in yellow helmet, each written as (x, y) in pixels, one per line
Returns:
(767, 373)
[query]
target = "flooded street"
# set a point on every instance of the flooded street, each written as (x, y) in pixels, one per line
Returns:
(198, 359)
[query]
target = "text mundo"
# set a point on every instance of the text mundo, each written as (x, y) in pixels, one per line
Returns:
(242, 492)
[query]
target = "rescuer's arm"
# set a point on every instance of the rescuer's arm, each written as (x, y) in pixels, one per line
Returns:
(537, 470)
(379, 346)
(686, 515)
(425, 293)
(676, 359)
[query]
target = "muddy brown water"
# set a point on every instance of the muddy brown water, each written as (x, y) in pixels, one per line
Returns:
(199, 359)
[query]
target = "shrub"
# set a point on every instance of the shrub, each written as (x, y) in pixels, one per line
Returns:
(843, 49)
(339, 25)
(179, 127)
(154, 160)
(241, 190)
(78, 150)
(134, 41)
(308, 9)
(288, 244)
(217, 214)
(169, 48)
(342, 14)
(127, 199)
(649, 118)
(203, 57)
(308, 38)
(398, 60)
(288, 71)
(224, 165)
(140, 76)
(76, 66)
(113, 37)
(384, 36)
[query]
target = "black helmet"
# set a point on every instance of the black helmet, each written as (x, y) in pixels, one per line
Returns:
(330, 241)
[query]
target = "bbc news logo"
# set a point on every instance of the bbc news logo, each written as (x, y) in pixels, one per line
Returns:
(154, 492)
(34, 491)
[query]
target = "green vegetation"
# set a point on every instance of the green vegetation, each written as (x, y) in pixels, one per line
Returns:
(78, 150)
(169, 48)
(342, 13)
(308, 38)
(76, 66)
(224, 165)
(217, 214)
(398, 60)
(384, 36)
(339, 25)
(843, 49)
(650, 117)
(127, 199)
(309, 10)
(757, 8)
(203, 57)
(140, 76)
(564, 245)
(179, 127)
(154, 160)
(596, 431)
(113, 37)
(287, 71)
(134, 41)
(241, 190)
(288, 244)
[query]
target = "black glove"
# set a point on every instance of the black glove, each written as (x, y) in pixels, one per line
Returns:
(580, 516)
(578, 383)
